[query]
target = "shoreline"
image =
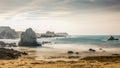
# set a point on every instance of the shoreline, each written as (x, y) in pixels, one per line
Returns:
(48, 55)
(59, 54)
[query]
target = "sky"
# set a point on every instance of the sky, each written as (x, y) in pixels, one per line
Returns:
(77, 17)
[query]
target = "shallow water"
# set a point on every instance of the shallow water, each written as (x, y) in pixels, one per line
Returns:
(90, 39)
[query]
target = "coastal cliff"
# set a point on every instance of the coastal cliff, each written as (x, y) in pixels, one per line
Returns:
(7, 33)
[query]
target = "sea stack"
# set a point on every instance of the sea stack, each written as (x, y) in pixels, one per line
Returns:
(28, 38)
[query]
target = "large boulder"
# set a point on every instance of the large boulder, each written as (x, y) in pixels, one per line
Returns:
(7, 33)
(28, 38)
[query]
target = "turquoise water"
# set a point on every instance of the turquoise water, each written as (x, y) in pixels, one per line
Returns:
(93, 40)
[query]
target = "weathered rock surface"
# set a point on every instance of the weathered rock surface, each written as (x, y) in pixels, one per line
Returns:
(10, 54)
(7, 33)
(28, 38)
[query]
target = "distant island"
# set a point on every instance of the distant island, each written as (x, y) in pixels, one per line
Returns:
(53, 34)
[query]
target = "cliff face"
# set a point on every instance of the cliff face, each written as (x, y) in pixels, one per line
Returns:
(28, 38)
(7, 33)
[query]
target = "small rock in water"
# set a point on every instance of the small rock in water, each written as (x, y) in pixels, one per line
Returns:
(77, 53)
(92, 50)
(112, 38)
(70, 52)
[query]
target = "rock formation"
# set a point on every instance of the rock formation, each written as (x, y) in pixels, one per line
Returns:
(92, 50)
(70, 52)
(7, 33)
(10, 54)
(48, 34)
(112, 38)
(3, 44)
(52, 34)
(28, 38)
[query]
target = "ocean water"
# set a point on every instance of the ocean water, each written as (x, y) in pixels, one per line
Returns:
(100, 40)
(84, 41)
(79, 40)
(81, 44)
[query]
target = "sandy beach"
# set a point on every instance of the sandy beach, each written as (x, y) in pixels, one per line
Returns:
(90, 62)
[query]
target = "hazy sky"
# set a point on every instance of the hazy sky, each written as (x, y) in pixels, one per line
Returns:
(72, 16)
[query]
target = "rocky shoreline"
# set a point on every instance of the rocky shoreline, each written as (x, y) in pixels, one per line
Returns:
(8, 54)
(3, 44)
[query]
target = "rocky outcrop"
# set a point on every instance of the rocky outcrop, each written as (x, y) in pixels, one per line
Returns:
(48, 34)
(61, 34)
(52, 34)
(3, 44)
(10, 54)
(7, 33)
(113, 38)
(28, 38)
